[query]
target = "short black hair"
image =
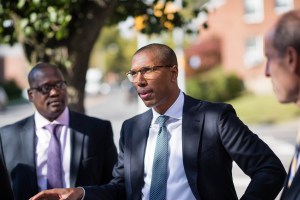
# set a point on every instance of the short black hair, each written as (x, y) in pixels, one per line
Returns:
(37, 68)
(164, 53)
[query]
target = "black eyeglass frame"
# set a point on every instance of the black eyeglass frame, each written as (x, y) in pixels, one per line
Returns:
(144, 70)
(46, 88)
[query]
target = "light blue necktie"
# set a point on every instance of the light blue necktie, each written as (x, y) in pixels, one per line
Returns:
(158, 188)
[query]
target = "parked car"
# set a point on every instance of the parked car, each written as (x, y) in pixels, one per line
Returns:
(94, 85)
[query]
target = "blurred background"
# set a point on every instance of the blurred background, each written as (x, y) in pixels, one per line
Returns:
(219, 44)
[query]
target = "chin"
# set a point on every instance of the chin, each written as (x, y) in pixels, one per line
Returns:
(148, 105)
(284, 100)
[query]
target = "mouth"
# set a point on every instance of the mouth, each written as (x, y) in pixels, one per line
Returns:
(145, 94)
(55, 103)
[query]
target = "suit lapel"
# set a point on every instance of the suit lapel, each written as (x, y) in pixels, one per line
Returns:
(26, 150)
(140, 131)
(192, 121)
(27, 138)
(76, 148)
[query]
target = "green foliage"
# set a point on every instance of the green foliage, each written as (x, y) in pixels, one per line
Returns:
(64, 32)
(52, 21)
(48, 29)
(45, 19)
(115, 50)
(12, 90)
(253, 109)
(215, 85)
(157, 16)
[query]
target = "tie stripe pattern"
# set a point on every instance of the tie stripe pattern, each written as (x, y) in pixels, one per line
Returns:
(54, 164)
(158, 188)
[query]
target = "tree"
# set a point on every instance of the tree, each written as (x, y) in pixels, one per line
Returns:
(64, 32)
(115, 50)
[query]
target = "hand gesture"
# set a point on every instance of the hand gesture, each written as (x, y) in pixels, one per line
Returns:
(60, 194)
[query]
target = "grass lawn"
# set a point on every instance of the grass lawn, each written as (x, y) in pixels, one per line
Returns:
(263, 109)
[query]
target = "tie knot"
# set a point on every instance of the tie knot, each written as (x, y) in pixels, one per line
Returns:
(161, 120)
(52, 128)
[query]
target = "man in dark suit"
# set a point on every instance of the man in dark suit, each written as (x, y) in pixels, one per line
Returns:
(282, 50)
(204, 139)
(87, 151)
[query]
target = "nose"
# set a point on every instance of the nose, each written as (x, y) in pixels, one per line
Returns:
(267, 70)
(54, 91)
(140, 79)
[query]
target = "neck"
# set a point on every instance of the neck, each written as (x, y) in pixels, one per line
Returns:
(167, 103)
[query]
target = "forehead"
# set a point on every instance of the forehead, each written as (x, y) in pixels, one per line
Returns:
(269, 37)
(145, 58)
(268, 44)
(47, 75)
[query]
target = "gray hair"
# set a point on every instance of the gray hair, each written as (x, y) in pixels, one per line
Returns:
(287, 32)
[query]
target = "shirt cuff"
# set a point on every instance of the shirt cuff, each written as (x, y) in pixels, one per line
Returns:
(83, 192)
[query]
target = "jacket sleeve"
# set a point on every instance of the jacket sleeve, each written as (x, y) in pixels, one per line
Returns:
(115, 190)
(252, 155)
(110, 154)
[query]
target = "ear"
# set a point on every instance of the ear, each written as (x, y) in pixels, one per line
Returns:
(293, 60)
(174, 71)
(30, 95)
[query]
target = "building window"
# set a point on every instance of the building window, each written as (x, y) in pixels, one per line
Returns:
(253, 54)
(253, 11)
(282, 6)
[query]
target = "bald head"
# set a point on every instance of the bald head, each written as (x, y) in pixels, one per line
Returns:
(164, 54)
(38, 69)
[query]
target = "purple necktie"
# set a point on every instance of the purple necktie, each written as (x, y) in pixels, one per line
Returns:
(54, 164)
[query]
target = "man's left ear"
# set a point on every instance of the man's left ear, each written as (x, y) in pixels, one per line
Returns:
(293, 59)
(29, 93)
(174, 71)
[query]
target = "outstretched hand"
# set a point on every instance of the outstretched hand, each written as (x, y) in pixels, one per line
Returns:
(60, 194)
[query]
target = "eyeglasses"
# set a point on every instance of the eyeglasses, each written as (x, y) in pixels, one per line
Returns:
(46, 88)
(146, 72)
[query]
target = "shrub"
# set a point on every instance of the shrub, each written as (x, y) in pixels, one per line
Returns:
(12, 90)
(215, 85)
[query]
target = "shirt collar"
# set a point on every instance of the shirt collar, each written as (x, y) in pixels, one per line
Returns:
(41, 121)
(175, 111)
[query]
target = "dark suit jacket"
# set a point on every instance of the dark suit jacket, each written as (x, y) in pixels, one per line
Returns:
(93, 153)
(6, 192)
(212, 137)
(292, 193)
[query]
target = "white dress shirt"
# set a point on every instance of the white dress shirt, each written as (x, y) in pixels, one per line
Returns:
(42, 143)
(177, 184)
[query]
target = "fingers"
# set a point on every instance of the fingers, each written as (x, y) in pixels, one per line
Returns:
(60, 194)
(54, 194)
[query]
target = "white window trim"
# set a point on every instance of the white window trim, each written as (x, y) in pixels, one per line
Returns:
(283, 9)
(253, 56)
(258, 16)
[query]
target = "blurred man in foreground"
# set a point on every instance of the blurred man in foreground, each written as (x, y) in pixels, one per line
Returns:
(282, 50)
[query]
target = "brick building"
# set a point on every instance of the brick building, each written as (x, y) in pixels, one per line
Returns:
(13, 65)
(234, 38)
